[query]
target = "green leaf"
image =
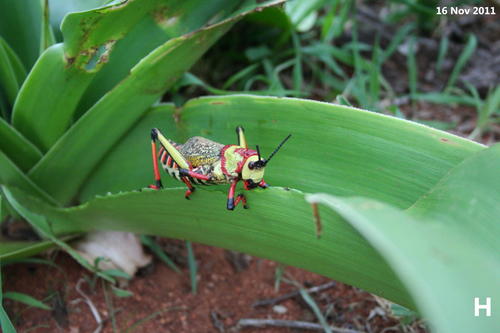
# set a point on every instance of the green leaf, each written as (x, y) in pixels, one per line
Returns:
(467, 52)
(278, 226)
(21, 28)
(121, 292)
(26, 299)
(46, 230)
(316, 310)
(17, 250)
(8, 78)
(56, 85)
(334, 149)
(22, 152)
(193, 267)
(116, 273)
(119, 109)
(158, 251)
(46, 101)
(444, 248)
(47, 38)
(5, 323)
(10, 174)
(168, 19)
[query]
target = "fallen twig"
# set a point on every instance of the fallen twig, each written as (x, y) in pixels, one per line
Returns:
(272, 301)
(218, 324)
(304, 325)
(90, 304)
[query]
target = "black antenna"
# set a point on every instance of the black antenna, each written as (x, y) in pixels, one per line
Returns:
(277, 148)
(258, 152)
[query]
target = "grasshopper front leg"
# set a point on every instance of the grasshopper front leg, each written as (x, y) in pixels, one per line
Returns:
(231, 202)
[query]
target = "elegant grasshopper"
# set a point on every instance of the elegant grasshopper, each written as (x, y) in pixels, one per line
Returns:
(205, 162)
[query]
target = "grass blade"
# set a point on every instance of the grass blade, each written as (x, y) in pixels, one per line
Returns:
(5, 323)
(314, 307)
(467, 52)
(443, 49)
(158, 251)
(399, 37)
(26, 299)
(412, 68)
(193, 267)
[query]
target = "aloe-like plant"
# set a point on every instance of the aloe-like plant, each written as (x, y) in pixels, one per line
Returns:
(408, 212)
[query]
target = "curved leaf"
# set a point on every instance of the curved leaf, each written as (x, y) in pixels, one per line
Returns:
(26, 299)
(8, 78)
(168, 19)
(47, 103)
(17, 250)
(445, 248)
(21, 28)
(22, 152)
(334, 149)
(278, 225)
(10, 174)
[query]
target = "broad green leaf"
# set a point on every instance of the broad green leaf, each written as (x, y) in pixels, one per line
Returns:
(26, 299)
(45, 229)
(22, 152)
(108, 120)
(20, 26)
(43, 108)
(169, 19)
(8, 79)
(278, 225)
(445, 247)
(47, 102)
(15, 62)
(10, 174)
(334, 149)
(442, 269)
(467, 200)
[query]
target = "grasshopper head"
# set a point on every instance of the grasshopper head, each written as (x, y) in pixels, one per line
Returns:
(252, 172)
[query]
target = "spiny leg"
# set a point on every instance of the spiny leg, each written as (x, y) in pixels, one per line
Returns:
(190, 186)
(240, 132)
(158, 185)
(231, 202)
(241, 198)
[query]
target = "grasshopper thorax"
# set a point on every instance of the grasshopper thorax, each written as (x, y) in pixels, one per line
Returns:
(246, 164)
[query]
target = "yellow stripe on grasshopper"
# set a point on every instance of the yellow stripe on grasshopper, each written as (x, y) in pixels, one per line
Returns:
(176, 155)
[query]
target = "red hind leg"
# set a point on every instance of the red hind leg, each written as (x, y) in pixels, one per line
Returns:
(158, 185)
(190, 186)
